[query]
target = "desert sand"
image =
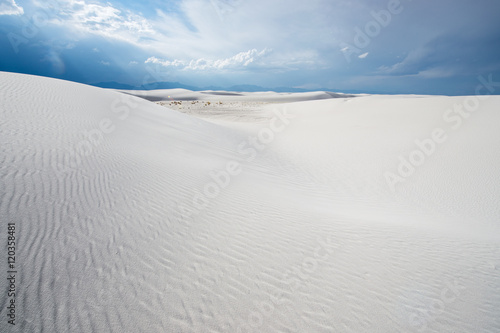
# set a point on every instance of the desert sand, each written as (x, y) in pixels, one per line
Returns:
(258, 212)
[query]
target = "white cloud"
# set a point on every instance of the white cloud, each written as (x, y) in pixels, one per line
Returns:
(364, 55)
(9, 7)
(99, 19)
(237, 62)
(166, 63)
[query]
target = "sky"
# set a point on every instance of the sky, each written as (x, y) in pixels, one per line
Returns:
(372, 46)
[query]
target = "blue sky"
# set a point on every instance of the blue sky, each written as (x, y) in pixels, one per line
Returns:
(374, 46)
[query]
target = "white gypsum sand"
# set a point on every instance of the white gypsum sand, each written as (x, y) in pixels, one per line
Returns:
(284, 213)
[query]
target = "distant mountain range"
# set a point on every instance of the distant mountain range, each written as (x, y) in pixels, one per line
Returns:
(152, 86)
(174, 85)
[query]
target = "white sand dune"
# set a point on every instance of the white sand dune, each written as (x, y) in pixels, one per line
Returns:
(132, 217)
(210, 95)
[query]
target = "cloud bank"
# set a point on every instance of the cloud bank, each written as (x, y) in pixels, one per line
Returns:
(239, 61)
